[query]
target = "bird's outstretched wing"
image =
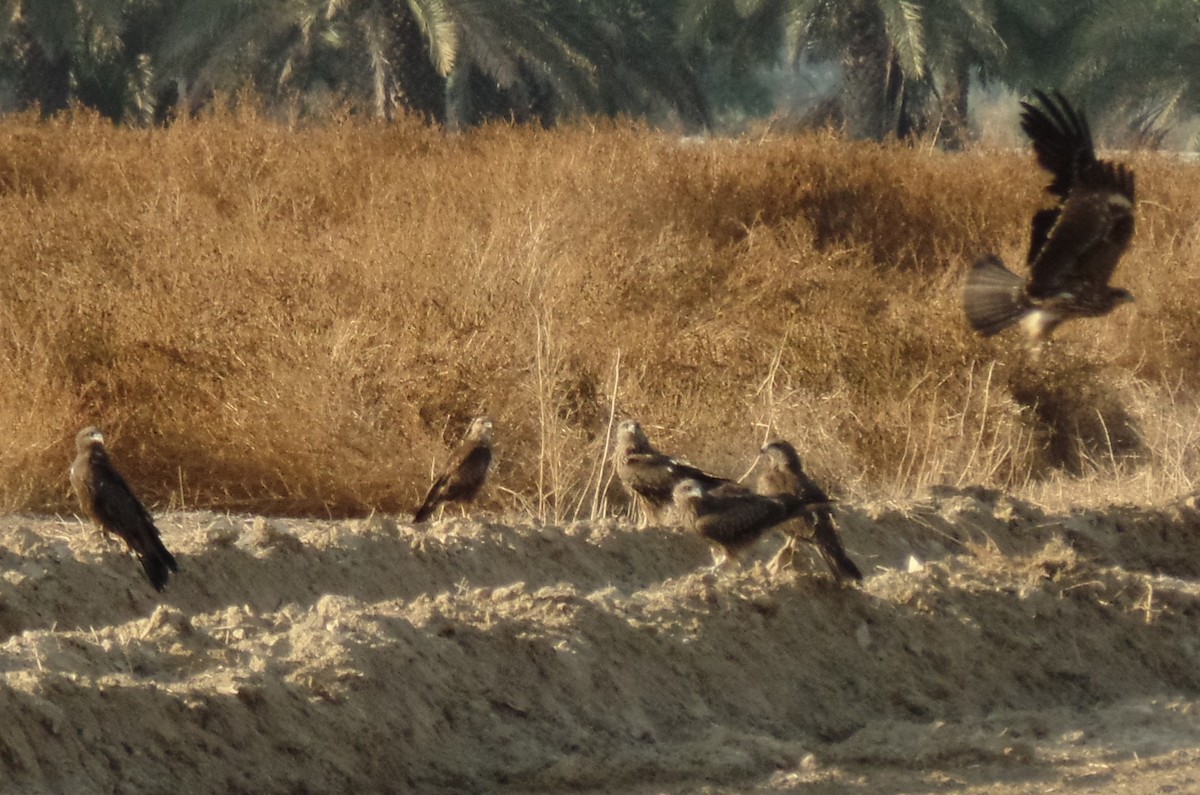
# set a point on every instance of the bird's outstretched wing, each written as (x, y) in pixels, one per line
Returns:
(1083, 248)
(1075, 245)
(1062, 140)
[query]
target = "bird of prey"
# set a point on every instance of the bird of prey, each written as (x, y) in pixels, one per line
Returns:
(465, 471)
(651, 475)
(732, 520)
(1074, 246)
(107, 499)
(784, 474)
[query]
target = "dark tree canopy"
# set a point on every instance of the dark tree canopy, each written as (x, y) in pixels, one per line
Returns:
(904, 66)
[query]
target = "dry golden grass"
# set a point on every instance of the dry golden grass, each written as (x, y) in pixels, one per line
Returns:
(301, 321)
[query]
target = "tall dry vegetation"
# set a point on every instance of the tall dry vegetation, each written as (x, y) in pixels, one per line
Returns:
(301, 320)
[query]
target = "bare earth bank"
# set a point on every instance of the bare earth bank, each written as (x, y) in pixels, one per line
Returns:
(995, 648)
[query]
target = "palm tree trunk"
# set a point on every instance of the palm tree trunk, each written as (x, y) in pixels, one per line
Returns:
(375, 34)
(458, 97)
(954, 131)
(865, 62)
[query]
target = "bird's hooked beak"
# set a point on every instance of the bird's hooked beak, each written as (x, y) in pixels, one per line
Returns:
(687, 489)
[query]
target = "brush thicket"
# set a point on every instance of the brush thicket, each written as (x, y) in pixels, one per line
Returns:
(304, 320)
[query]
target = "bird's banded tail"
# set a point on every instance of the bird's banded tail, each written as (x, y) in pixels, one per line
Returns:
(993, 297)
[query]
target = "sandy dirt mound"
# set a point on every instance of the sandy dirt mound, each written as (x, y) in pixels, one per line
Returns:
(994, 647)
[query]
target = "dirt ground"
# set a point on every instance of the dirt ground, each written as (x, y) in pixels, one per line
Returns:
(995, 647)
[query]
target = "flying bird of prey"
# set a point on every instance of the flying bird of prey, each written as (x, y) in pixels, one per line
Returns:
(784, 474)
(465, 471)
(107, 499)
(1074, 246)
(732, 520)
(651, 476)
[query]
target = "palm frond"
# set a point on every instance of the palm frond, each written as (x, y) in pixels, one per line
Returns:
(440, 29)
(902, 19)
(798, 22)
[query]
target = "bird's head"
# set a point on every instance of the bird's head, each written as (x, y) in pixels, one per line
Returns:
(782, 454)
(687, 490)
(87, 437)
(480, 430)
(631, 437)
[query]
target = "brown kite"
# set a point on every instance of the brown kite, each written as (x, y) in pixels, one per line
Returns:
(651, 476)
(1074, 246)
(784, 474)
(732, 520)
(107, 499)
(464, 473)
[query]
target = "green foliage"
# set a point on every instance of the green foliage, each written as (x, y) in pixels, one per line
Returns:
(1112, 70)
(907, 65)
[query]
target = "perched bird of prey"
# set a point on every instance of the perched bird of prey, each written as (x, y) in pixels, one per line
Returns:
(465, 471)
(732, 520)
(1074, 246)
(107, 499)
(652, 476)
(784, 474)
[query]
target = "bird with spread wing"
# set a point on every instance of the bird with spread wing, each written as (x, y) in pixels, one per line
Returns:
(464, 473)
(1074, 246)
(109, 502)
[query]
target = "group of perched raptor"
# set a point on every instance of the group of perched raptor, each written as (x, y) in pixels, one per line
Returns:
(1074, 248)
(727, 514)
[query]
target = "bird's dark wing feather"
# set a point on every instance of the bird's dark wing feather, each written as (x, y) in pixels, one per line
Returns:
(649, 476)
(654, 476)
(432, 498)
(1084, 246)
(825, 534)
(681, 470)
(734, 519)
(809, 491)
(461, 480)
(470, 473)
(1061, 139)
(115, 501)
(120, 511)
(1043, 222)
(1076, 245)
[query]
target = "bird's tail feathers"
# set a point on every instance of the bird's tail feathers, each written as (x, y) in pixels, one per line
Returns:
(993, 296)
(832, 551)
(157, 562)
(432, 498)
(424, 512)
